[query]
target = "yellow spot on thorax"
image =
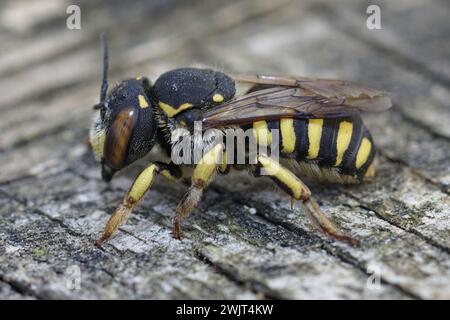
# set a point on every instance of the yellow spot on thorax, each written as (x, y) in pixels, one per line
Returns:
(287, 135)
(343, 140)
(261, 133)
(217, 97)
(314, 135)
(283, 175)
(142, 102)
(171, 111)
(363, 153)
(142, 182)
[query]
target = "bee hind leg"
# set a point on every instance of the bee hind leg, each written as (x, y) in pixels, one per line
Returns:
(290, 183)
(321, 221)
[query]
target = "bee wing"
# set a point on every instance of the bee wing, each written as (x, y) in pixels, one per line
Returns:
(356, 95)
(285, 97)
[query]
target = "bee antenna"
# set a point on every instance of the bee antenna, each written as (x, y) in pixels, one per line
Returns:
(104, 87)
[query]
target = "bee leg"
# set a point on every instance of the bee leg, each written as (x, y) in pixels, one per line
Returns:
(140, 185)
(203, 173)
(290, 183)
(321, 221)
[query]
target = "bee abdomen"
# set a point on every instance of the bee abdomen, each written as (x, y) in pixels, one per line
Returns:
(343, 144)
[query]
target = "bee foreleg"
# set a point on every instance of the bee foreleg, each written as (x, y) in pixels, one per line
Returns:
(139, 187)
(290, 183)
(203, 173)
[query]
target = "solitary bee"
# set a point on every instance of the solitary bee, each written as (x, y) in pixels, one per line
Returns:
(319, 122)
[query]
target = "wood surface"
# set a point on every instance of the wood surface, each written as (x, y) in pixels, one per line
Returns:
(243, 242)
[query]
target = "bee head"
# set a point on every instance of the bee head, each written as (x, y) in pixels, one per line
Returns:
(123, 129)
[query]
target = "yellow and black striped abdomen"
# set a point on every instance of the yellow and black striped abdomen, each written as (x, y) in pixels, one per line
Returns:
(344, 144)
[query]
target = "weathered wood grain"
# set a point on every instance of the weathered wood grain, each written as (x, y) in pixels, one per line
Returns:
(243, 242)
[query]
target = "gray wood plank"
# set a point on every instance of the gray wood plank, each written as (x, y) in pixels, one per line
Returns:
(243, 241)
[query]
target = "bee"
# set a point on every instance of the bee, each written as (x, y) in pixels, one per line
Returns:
(319, 121)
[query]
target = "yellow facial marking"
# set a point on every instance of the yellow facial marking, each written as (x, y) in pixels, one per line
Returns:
(142, 182)
(343, 140)
(261, 133)
(206, 167)
(363, 153)
(142, 102)
(287, 135)
(217, 97)
(314, 136)
(97, 142)
(171, 111)
(284, 176)
(139, 78)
